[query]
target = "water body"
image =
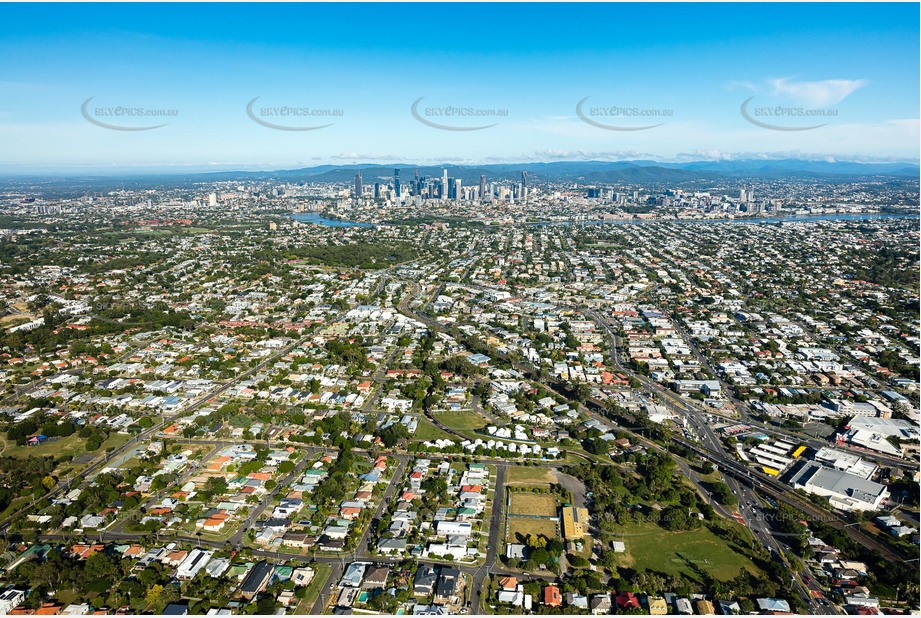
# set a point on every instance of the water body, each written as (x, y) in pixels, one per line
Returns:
(788, 219)
(312, 217)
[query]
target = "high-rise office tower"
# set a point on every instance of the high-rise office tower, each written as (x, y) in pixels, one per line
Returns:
(396, 182)
(377, 190)
(524, 187)
(457, 189)
(358, 186)
(444, 184)
(482, 187)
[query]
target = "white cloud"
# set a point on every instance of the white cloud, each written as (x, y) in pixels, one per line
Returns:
(818, 93)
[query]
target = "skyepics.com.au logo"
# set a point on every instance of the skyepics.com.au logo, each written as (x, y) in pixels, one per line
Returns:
(455, 118)
(622, 117)
(290, 117)
(125, 117)
(759, 115)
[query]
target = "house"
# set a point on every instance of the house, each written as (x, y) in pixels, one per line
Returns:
(327, 544)
(552, 596)
(175, 558)
(627, 600)
(600, 604)
(657, 606)
(448, 587)
(424, 583)
(516, 551)
(773, 606)
(577, 600)
(514, 597)
(217, 567)
(453, 528)
(683, 607)
(194, 562)
(297, 539)
(376, 577)
(729, 608)
(704, 607)
(176, 609)
(257, 580)
(391, 546)
(49, 609)
(353, 575)
(10, 598)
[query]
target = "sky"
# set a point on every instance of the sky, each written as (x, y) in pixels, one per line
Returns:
(490, 82)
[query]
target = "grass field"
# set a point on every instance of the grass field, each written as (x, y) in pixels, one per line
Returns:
(464, 420)
(526, 503)
(529, 476)
(651, 547)
(71, 445)
(426, 431)
(528, 525)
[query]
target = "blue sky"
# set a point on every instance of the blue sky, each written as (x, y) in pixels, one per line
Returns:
(692, 64)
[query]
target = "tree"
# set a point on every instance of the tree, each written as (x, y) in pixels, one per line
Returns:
(153, 594)
(93, 442)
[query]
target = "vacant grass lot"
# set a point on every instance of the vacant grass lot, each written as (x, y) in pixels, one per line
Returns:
(529, 476)
(526, 503)
(651, 547)
(463, 420)
(426, 431)
(527, 525)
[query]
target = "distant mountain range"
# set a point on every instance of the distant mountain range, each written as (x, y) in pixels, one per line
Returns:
(592, 171)
(644, 173)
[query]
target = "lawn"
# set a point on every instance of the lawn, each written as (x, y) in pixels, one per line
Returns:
(651, 547)
(531, 525)
(426, 431)
(462, 420)
(526, 503)
(529, 476)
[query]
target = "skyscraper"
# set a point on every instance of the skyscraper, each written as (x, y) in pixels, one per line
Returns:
(358, 185)
(524, 187)
(482, 187)
(444, 184)
(457, 189)
(396, 182)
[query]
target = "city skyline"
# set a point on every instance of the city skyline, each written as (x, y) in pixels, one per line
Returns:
(541, 87)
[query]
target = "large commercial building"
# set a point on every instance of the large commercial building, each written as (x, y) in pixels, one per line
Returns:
(844, 491)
